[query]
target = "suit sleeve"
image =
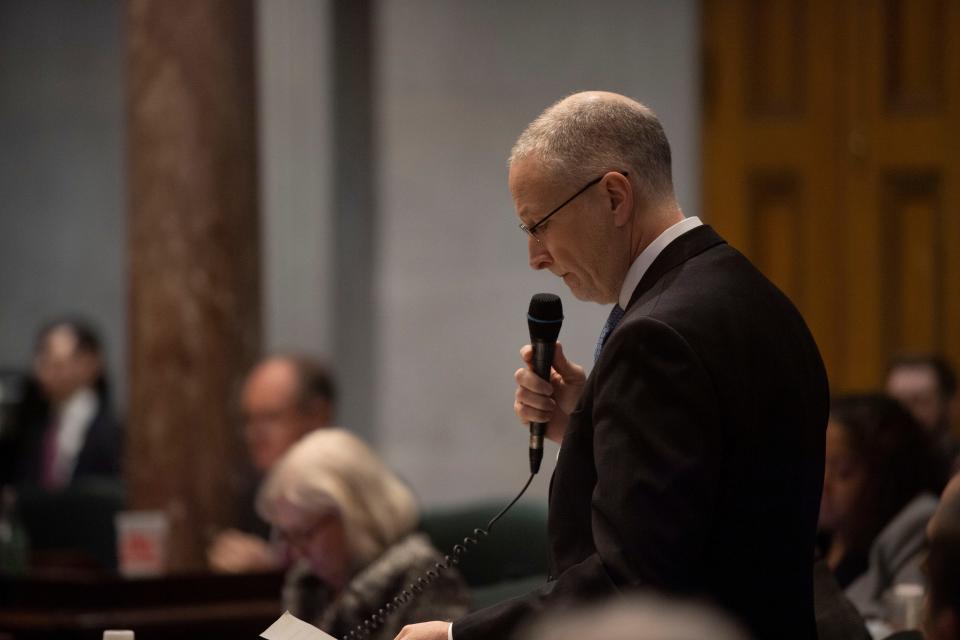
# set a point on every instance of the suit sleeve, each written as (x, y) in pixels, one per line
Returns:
(657, 449)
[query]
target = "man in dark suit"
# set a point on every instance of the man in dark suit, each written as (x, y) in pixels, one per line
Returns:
(64, 428)
(691, 458)
(284, 397)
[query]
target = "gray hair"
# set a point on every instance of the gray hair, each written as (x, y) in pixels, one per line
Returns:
(334, 468)
(637, 618)
(584, 135)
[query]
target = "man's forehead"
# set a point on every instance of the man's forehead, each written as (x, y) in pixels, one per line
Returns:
(274, 378)
(910, 377)
(61, 342)
(530, 186)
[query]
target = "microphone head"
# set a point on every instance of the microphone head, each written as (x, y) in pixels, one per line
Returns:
(545, 317)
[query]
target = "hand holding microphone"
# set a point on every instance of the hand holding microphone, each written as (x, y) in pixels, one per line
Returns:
(546, 395)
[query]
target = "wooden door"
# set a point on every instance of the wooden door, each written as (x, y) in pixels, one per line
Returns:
(831, 159)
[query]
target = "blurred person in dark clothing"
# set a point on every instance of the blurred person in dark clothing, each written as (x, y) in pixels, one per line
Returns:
(927, 386)
(942, 614)
(65, 428)
(284, 398)
(881, 481)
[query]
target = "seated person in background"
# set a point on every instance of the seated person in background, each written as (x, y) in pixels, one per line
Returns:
(65, 428)
(837, 618)
(637, 618)
(350, 522)
(284, 398)
(942, 614)
(881, 480)
(926, 385)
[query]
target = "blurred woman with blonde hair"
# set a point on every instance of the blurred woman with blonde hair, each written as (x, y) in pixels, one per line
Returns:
(350, 521)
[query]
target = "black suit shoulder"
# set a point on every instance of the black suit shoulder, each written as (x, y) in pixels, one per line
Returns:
(102, 451)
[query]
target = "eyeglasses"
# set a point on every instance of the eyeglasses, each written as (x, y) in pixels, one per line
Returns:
(301, 538)
(532, 231)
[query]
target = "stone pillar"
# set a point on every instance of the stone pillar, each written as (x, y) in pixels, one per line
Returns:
(193, 258)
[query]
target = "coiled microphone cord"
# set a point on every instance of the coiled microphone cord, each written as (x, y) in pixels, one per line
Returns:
(377, 619)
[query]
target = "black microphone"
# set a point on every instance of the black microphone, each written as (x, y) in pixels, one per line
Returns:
(544, 319)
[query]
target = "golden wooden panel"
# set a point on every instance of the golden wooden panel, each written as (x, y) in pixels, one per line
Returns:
(914, 53)
(912, 261)
(861, 100)
(774, 58)
(775, 230)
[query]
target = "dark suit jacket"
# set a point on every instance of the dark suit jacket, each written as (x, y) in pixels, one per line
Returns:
(693, 463)
(100, 456)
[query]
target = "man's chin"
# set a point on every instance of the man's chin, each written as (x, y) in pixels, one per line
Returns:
(573, 283)
(583, 295)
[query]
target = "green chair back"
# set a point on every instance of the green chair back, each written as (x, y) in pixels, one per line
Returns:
(515, 551)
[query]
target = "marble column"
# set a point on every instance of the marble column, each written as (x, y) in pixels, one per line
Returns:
(194, 295)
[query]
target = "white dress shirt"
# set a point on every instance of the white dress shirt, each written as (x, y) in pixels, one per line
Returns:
(648, 255)
(74, 422)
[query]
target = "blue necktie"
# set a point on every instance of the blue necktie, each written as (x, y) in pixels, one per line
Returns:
(615, 314)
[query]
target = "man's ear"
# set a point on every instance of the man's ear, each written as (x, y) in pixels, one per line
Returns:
(620, 195)
(321, 412)
(90, 365)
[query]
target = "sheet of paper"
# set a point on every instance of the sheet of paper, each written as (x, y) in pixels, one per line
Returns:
(290, 627)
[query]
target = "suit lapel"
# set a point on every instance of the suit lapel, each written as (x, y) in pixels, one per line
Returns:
(691, 243)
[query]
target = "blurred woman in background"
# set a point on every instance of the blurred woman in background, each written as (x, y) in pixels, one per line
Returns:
(881, 480)
(351, 521)
(65, 427)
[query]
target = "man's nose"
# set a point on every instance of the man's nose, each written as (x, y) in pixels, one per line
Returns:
(540, 258)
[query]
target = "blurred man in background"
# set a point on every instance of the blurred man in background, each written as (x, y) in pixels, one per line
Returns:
(927, 385)
(64, 429)
(284, 398)
(943, 595)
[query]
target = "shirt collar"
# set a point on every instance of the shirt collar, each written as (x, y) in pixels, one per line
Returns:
(648, 255)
